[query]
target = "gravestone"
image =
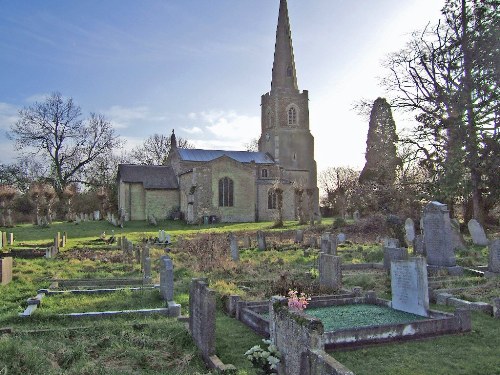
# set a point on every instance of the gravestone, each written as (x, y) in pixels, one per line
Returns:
(247, 242)
(341, 238)
(138, 254)
(313, 242)
(494, 256)
(299, 236)
(261, 240)
(394, 253)
(457, 238)
(325, 242)
(233, 243)
(166, 278)
(57, 241)
(4, 239)
(161, 236)
(356, 216)
(144, 255)
(409, 231)
(202, 307)
(97, 215)
(1, 240)
(390, 242)
(409, 286)
(332, 248)
(11, 238)
(437, 237)
(5, 270)
(418, 245)
(477, 233)
(330, 271)
(147, 270)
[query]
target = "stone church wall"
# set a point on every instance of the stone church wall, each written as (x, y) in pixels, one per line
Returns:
(161, 202)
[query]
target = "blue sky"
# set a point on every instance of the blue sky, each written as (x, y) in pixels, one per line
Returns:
(200, 66)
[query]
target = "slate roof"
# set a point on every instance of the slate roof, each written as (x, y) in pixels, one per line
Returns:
(189, 154)
(151, 176)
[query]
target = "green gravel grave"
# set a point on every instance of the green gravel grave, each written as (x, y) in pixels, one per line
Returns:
(359, 315)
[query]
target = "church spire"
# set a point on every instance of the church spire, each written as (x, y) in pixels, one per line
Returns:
(284, 75)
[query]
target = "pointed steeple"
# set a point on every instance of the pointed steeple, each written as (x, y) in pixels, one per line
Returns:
(284, 75)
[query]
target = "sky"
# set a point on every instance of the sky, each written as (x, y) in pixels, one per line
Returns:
(201, 66)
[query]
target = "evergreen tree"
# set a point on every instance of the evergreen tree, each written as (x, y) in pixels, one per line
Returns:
(381, 157)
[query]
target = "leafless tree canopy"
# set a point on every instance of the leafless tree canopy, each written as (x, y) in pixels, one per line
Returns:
(155, 149)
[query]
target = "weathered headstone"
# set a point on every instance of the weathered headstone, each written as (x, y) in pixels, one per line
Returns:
(477, 233)
(261, 240)
(390, 242)
(299, 236)
(341, 238)
(57, 241)
(313, 242)
(11, 238)
(5, 270)
(409, 286)
(138, 256)
(235, 251)
(166, 278)
(1, 240)
(418, 245)
(325, 242)
(332, 249)
(330, 271)
(394, 253)
(144, 255)
(97, 215)
(247, 242)
(494, 256)
(356, 216)
(202, 307)
(457, 238)
(409, 231)
(437, 237)
(147, 270)
(161, 236)
(4, 239)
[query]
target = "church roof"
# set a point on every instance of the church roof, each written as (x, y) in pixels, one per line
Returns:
(151, 176)
(189, 154)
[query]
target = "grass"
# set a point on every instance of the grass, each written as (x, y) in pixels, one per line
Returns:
(159, 345)
(471, 353)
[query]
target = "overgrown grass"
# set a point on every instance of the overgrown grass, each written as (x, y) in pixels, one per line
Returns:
(158, 345)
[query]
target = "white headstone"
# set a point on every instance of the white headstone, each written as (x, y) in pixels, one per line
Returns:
(477, 233)
(409, 286)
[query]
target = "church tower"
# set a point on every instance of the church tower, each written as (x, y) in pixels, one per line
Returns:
(285, 133)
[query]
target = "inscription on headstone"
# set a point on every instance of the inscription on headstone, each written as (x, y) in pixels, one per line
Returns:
(409, 286)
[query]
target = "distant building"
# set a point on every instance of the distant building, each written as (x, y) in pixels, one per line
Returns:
(238, 186)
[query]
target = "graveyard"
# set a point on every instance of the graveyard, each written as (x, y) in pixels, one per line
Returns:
(133, 305)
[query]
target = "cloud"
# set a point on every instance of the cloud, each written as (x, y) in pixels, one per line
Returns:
(229, 125)
(122, 117)
(8, 115)
(193, 130)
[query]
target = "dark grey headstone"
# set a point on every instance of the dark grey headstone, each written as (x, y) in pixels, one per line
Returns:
(494, 256)
(330, 271)
(409, 231)
(394, 253)
(235, 251)
(261, 240)
(437, 235)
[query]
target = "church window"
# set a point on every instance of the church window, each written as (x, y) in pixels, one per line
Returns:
(226, 192)
(264, 173)
(272, 199)
(292, 116)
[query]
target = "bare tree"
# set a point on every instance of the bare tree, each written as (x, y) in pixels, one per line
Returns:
(155, 149)
(339, 184)
(55, 131)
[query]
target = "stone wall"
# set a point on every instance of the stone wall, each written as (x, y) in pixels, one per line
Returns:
(160, 202)
(299, 338)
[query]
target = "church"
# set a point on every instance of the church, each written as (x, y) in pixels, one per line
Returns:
(279, 180)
